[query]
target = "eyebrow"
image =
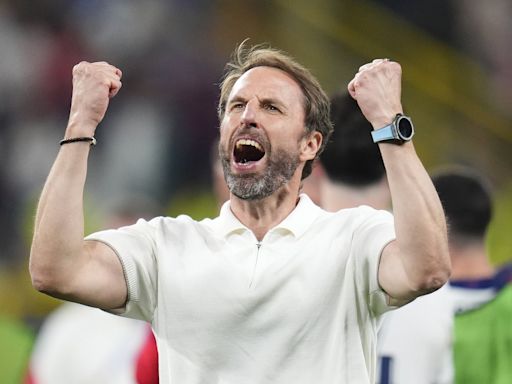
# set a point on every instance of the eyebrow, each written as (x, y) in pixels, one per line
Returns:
(263, 101)
(236, 99)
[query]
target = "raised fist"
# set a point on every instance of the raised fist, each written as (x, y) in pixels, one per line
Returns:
(377, 89)
(93, 85)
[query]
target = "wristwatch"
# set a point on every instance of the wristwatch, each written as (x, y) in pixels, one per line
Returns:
(399, 131)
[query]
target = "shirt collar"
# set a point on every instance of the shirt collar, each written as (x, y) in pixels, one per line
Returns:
(297, 222)
(228, 223)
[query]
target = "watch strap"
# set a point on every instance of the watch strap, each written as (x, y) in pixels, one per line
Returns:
(385, 133)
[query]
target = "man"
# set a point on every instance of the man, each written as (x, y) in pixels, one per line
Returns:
(481, 294)
(350, 173)
(274, 289)
(352, 163)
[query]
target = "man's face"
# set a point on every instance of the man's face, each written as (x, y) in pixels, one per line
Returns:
(261, 133)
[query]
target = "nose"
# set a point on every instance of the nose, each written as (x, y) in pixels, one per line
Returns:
(250, 113)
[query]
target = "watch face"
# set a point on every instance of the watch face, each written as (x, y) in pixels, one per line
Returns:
(405, 128)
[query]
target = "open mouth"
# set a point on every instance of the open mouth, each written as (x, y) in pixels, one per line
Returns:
(247, 150)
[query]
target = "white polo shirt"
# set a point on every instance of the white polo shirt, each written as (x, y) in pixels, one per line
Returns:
(301, 306)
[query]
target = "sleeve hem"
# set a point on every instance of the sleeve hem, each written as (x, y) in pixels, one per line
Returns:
(128, 271)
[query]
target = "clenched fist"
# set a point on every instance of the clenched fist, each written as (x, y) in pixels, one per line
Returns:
(377, 89)
(93, 85)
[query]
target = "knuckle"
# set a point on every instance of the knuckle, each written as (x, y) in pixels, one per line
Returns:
(79, 67)
(104, 81)
(396, 66)
(82, 68)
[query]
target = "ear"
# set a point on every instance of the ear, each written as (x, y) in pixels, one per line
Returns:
(310, 145)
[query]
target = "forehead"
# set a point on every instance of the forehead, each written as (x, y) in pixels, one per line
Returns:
(268, 82)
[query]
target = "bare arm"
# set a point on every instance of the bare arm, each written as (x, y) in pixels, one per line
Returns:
(62, 264)
(417, 262)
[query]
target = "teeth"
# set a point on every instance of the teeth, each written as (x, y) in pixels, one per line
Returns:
(253, 143)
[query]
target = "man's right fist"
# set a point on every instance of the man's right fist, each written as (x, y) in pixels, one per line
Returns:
(93, 85)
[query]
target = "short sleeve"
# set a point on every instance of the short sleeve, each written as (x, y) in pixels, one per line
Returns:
(135, 247)
(370, 238)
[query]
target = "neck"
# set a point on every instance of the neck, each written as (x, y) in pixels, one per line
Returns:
(262, 215)
(470, 261)
(336, 196)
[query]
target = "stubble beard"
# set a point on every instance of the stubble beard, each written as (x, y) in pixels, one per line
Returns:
(281, 167)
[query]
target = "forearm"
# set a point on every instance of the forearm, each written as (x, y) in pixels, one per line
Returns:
(57, 246)
(62, 264)
(418, 261)
(421, 236)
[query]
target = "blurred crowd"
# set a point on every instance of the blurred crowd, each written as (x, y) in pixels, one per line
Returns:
(165, 116)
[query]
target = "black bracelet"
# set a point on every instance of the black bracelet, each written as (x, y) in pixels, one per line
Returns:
(92, 140)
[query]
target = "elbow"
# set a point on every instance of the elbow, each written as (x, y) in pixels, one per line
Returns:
(42, 276)
(51, 277)
(44, 283)
(40, 280)
(435, 281)
(435, 277)
(40, 284)
(38, 268)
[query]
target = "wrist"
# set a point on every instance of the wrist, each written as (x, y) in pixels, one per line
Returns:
(400, 130)
(91, 140)
(385, 115)
(384, 120)
(77, 128)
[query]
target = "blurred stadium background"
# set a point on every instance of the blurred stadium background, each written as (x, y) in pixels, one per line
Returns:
(154, 145)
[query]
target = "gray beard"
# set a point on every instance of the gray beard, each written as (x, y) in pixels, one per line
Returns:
(280, 169)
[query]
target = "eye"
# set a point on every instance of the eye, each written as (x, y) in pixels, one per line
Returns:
(236, 106)
(271, 107)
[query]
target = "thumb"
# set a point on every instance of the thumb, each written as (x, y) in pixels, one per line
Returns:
(351, 87)
(115, 86)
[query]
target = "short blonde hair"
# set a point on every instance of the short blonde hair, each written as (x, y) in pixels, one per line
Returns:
(316, 103)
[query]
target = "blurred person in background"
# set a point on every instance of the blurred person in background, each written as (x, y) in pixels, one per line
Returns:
(414, 342)
(79, 344)
(84, 345)
(481, 293)
(232, 299)
(461, 333)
